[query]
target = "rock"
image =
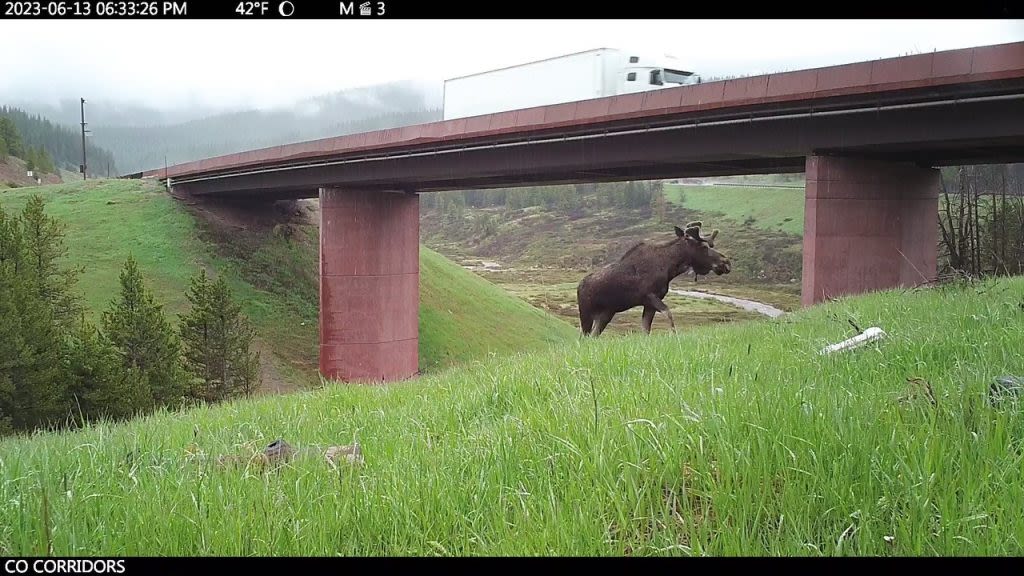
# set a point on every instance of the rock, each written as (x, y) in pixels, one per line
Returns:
(278, 451)
(352, 454)
(1005, 387)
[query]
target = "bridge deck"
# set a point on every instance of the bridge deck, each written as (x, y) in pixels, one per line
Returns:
(986, 70)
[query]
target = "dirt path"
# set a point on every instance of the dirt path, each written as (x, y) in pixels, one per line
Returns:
(745, 304)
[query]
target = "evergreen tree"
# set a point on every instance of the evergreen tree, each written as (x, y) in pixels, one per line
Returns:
(6, 402)
(12, 139)
(95, 378)
(31, 390)
(146, 343)
(196, 334)
(10, 319)
(44, 246)
(30, 159)
(40, 161)
(217, 340)
(46, 162)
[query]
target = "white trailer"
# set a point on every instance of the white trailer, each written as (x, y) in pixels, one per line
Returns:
(573, 77)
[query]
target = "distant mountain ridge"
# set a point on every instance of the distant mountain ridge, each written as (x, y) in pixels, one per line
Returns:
(142, 138)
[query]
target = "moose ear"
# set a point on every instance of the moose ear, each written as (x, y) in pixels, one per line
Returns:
(679, 231)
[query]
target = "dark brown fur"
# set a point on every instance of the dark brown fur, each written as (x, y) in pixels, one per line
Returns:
(642, 277)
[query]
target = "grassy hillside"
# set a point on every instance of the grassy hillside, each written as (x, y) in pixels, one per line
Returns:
(464, 317)
(765, 208)
(731, 440)
(273, 269)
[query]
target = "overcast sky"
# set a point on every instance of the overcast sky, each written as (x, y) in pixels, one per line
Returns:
(273, 62)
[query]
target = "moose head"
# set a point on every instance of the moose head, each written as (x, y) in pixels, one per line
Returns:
(698, 253)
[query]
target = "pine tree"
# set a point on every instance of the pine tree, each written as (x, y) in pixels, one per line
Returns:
(10, 319)
(12, 139)
(6, 401)
(217, 342)
(46, 165)
(31, 390)
(96, 381)
(146, 343)
(39, 161)
(44, 245)
(196, 333)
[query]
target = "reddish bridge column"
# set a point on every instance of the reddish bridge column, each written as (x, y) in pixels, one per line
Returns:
(868, 225)
(369, 285)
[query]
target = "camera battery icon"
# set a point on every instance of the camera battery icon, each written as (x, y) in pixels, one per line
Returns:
(364, 9)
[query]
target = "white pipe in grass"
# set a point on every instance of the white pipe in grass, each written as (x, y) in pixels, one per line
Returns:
(870, 335)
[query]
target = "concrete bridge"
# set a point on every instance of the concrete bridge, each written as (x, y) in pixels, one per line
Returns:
(869, 136)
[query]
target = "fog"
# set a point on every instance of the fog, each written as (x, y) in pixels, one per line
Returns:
(171, 91)
(217, 65)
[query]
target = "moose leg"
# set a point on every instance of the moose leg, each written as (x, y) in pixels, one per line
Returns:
(660, 306)
(600, 321)
(586, 322)
(648, 318)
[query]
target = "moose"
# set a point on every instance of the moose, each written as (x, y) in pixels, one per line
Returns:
(641, 277)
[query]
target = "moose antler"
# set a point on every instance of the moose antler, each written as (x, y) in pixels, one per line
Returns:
(694, 232)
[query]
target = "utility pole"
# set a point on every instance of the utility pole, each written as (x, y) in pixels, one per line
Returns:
(83, 140)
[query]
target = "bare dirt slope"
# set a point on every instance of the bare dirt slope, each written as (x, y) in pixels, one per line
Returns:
(14, 171)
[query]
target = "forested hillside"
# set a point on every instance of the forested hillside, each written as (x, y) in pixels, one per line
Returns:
(143, 138)
(51, 146)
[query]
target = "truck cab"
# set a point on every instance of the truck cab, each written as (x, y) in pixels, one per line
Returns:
(596, 73)
(642, 74)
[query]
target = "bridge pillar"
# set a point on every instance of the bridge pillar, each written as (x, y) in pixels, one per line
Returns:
(868, 225)
(369, 285)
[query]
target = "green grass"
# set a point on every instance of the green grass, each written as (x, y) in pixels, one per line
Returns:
(731, 440)
(104, 221)
(274, 276)
(464, 317)
(765, 208)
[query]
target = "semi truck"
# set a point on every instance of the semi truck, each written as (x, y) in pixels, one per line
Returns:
(580, 76)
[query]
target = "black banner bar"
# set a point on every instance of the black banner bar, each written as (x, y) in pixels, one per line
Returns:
(439, 9)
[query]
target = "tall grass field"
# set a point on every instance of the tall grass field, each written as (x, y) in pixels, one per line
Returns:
(735, 439)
